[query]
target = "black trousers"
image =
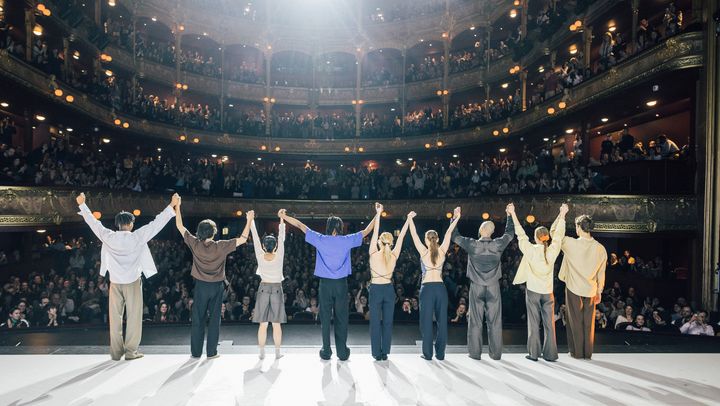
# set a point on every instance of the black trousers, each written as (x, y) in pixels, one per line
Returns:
(382, 308)
(207, 298)
(333, 301)
(433, 305)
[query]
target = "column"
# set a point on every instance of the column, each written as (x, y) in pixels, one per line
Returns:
(67, 72)
(488, 30)
(403, 101)
(268, 90)
(358, 92)
(98, 13)
(587, 41)
(178, 43)
(445, 81)
(553, 59)
(29, 25)
(709, 151)
(524, 19)
(487, 101)
(523, 78)
(635, 6)
(133, 38)
(222, 86)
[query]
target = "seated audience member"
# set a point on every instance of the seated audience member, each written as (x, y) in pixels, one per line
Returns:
(667, 147)
(624, 319)
(638, 324)
(460, 315)
(698, 325)
(601, 321)
(15, 320)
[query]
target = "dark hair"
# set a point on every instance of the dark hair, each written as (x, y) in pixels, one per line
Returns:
(206, 229)
(662, 138)
(585, 222)
(124, 219)
(334, 224)
(269, 243)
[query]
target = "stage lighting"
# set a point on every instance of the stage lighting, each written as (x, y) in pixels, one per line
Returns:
(485, 216)
(97, 215)
(651, 103)
(69, 98)
(550, 110)
(136, 212)
(38, 30)
(40, 117)
(530, 219)
(58, 92)
(448, 215)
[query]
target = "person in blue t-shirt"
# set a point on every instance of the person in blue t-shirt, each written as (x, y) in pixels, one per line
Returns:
(332, 266)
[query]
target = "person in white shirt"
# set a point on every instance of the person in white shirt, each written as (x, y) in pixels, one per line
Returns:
(126, 255)
(698, 326)
(270, 298)
(536, 271)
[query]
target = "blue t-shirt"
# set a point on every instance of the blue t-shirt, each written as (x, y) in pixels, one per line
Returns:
(332, 260)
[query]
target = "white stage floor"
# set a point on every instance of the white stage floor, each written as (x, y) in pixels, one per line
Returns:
(303, 379)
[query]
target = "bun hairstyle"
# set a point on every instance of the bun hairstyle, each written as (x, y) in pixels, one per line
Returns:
(432, 238)
(584, 222)
(124, 219)
(542, 236)
(386, 243)
(334, 224)
(206, 230)
(269, 243)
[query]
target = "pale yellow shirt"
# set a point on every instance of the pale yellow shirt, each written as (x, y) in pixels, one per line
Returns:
(537, 266)
(583, 266)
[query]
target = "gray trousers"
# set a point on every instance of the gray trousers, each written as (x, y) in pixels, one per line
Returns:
(540, 308)
(125, 298)
(485, 306)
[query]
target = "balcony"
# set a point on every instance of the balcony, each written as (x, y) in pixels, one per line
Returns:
(34, 207)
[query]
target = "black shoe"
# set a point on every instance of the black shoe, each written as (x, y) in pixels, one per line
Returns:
(426, 358)
(384, 357)
(378, 358)
(345, 358)
(325, 354)
(531, 358)
(550, 360)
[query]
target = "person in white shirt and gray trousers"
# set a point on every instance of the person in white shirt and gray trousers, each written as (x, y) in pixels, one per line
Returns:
(126, 255)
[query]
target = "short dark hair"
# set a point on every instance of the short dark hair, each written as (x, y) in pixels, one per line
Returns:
(269, 243)
(334, 224)
(585, 222)
(662, 138)
(206, 229)
(124, 219)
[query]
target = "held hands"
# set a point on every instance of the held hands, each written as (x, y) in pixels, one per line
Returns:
(281, 215)
(456, 213)
(411, 215)
(250, 215)
(378, 208)
(564, 209)
(80, 199)
(510, 209)
(175, 201)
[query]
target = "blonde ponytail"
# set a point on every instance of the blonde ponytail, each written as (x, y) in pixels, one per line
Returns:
(542, 236)
(386, 242)
(432, 237)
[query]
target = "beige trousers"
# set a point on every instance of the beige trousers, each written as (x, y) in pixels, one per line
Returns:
(125, 296)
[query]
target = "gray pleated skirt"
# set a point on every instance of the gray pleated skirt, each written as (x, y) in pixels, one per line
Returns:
(270, 304)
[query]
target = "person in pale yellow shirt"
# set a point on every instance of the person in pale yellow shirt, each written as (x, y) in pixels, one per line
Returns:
(583, 271)
(536, 271)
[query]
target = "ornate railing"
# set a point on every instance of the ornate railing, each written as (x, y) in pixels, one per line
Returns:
(34, 207)
(680, 52)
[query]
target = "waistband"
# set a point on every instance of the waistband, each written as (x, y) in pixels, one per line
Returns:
(327, 280)
(433, 284)
(271, 284)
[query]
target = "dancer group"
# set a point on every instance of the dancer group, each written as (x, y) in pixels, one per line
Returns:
(125, 255)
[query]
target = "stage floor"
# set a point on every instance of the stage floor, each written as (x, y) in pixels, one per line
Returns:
(301, 378)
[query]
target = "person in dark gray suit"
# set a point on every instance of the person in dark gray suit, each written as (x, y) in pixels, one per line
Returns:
(484, 271)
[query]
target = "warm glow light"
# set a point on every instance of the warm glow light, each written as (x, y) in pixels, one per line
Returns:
(277, 149)
(38, 30)
(505, 130)
(573, 49)
(611, 27)
(427, 146)
(117, 121)
(384, 214)
(505, 85)
(58, 92)
(550, 110)
(263, 147)
(562, 104)
(97, 215)
(503, 150)
(546, 139)
(4, 104)
(239, 213)
(569, 131)
(196, 140)
(513, 13)
(136, 212)
(516, 3)
(106, 140)
(183, 137)
(440, 144)
(530, 219)
(448, 215)
(40, 117)
(178, 85)
(41, 7)
(126, 125)
(185, 87)
(485, 216)
(361, 149)
(604, 119)
(108, 73)
(69, 98)
(111, 3)
(439, 93)
(41, 231)
(445, 35)
(496, 133)
(347, 149)
(651, 103)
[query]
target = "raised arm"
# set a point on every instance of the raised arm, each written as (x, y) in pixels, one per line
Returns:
(256, 240)
(448, 234)
(150, 230)
(400, 239)
(294, 222)
(246, 231)
(509, 227)
(557, 233)
(376, 219)
(523, 240)
(419, 246)
(281, 231)
(178, 219)
(376, 228)
(95, 225)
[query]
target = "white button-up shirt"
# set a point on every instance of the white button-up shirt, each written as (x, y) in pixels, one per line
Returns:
(126, 254)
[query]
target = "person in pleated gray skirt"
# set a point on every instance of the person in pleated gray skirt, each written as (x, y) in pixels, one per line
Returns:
(536, 271)
(270, 298)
